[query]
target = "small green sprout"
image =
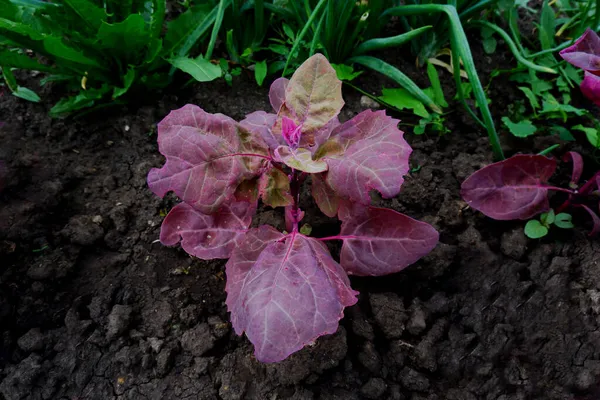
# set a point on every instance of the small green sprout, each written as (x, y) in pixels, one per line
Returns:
(536, 229)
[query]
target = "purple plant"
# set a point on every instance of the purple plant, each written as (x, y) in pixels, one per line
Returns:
(585, 54)
(517, 188)
(285, 289)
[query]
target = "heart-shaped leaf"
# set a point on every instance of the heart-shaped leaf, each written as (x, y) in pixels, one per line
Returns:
(284, 292)
(515, 188)
(365, 153)
(535, 230)
(207, 236)
(208, 156)
(380, 241)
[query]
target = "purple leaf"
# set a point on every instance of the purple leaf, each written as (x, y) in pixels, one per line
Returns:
(590, 87)
(292, 216)
(261, 123)
(327, 200)
(577, 161)
(380, 241)
(300, 159)
(207, 236)
(274, 188)
(585, 53)
(595, 220)
(365, 153)
(207, 157)
(284, 292)
(277, 93)
(291, 132)
(511, 189)
(313, 96)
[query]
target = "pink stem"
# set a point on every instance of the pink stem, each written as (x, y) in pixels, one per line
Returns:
(338, 237)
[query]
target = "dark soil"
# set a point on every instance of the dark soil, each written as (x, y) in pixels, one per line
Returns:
(91, 307)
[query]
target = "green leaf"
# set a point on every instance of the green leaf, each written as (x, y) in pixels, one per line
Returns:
(591, 133)
(535, 104)
(127, 81)
(126, 39)
(306, 229)
(185, 30)
(563, 220)
(19, 28)
(90, 14)
(547, 218)
(401, 99)
(18, 91)
(14, 59)
(260, 72)
(535, 230)
(84, 99)
(56, 47)
(345, 72)
(289, 32)
(551, 105)
(563, 133)
(520, 129)
(436, 85)
(157, 17)
(200, 69)
(546, 27)
(489, 45)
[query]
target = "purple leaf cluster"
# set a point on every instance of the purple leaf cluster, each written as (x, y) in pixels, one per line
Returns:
(518, 188)
(585, 54)
(284, 290)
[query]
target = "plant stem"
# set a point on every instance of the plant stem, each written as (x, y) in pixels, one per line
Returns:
(584, 190)
(295, 191)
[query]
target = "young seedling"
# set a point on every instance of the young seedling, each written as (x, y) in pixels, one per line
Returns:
(284, 290)
(517, 188)
(536, 229)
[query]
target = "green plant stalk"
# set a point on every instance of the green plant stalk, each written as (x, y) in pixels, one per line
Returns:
(394, 73)
(513, 47)
(216, 28)
(384, 43)
(460, 39)
(476, 8)
(549, 150)
(315, 41)
(303, 32)
(514, 29)
(553, 50)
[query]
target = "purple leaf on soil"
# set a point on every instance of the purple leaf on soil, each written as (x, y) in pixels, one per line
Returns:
(261, 123)
(515, 188)
(590, 87)
(380, 241)
(207, 157)
(577, 161)
(284, 292)
(585, 53)
(207, 236)
(277, 93)
(595, 220)
(366, 153)
(325, 197)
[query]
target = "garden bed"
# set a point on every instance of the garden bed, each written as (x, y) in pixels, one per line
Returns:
(91, 307)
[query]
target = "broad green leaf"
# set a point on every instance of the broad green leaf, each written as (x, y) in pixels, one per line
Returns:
(551, 105)
(15, 59)
(519, 129)
(436, 85)
(200, 69)
(185, 30)
(274, 188)
(489, 45)
(535, 230)
(345, 72)
(535, 104)
(85, 98)
(401, 99)
(56, 47)
(19, 28)
(8, 10)
(128, 79)
(547, 218)
(91, 15)
(126, 39)
(591, 133)
(260, 72)
(157, 17)
(18, 91)
(563, 133)
(564, 221)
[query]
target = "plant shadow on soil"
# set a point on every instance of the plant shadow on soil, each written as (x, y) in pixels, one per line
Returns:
(92, 308)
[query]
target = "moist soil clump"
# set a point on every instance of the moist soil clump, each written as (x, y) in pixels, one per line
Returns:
(92, 307)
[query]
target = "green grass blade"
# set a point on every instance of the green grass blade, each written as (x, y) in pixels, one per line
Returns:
(216, 26)
(303, 32)
(383, 43)
(396, 75)
(316, 37)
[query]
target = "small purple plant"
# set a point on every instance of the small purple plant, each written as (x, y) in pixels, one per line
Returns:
(585, 54)
(285, 289)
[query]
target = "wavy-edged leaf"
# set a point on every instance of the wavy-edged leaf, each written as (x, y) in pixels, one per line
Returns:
(300, 159)
(284, 292)
(585, 52)
(325, 197)
(274, 188)
(56, 46)
(365, 153)
(577, 161)
(206, 158)
(200, 69)
(125, 39)
(511, 189)
(380, 241)
(207, 236)
(13, 59)
(90, 14)
(261, 123)
(277, 93)
(313, 95)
